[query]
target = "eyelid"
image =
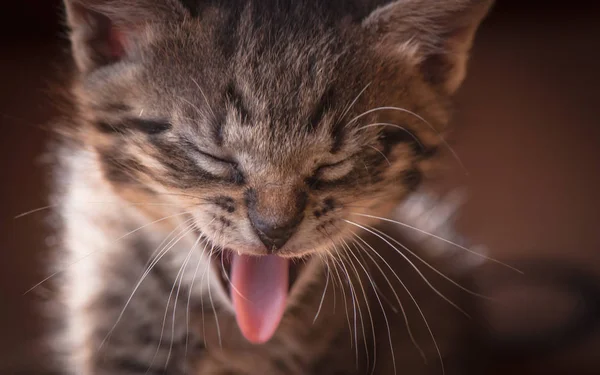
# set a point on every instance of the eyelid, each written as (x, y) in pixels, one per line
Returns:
(333, 165)
(338, 165)
(216, 158)
(150, 126)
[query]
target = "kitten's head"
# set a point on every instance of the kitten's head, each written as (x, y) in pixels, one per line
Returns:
(275, 124)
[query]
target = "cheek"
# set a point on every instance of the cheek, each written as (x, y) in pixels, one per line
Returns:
(145, 155)
(391, 182)
(400, 160)
(323, 218)
(224, 220)
(366, 208)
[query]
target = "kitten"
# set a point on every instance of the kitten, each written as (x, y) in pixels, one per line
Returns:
(228, 167)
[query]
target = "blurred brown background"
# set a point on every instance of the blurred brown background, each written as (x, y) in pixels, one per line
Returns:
(528, 132)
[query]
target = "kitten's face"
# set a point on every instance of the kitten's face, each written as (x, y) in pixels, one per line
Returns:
(266, 146)
(270, 132)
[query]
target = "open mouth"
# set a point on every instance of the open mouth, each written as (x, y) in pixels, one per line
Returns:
(258, 287)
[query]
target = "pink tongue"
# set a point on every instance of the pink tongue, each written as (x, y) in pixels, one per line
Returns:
(259, 293)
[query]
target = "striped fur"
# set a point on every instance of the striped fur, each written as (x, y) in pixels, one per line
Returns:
(193, 120)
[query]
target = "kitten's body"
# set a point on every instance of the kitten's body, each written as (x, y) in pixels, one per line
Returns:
(281, 94)
(98, 337)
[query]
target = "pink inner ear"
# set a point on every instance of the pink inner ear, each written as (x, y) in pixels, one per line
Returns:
(116, 43)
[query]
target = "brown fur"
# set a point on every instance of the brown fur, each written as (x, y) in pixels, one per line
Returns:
(238, 116)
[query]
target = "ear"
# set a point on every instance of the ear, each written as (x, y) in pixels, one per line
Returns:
(437, 35)
(105, 31)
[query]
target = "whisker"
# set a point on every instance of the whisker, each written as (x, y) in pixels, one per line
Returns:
(204, 273)
(439, 238)
(212, 302)
(343, 288)
(412, 265)
(402, 310)
(327, 254)
(370, 198)
(183, 195)
(360, 249)
(387, 323)
(182, 271)
(414, 137)
(162, 253)
(355, 100)
(35, 210)
(404, 110)
(169, 239)
(80, 259)
(382, 154)
(192, 105)
(204, 96)
(209, 270)
(152, 223)
(51, 206)
(361, 315)
(323, 295)
(189, 298)
(429, 265)
(337, 261)
(354, 303)
(226, 276)
(415, 301)
(162, 330)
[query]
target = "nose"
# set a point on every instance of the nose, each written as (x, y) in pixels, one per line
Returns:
(275, 215)
(273, 235)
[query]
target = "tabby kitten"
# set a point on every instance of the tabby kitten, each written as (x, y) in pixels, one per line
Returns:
(227, 167)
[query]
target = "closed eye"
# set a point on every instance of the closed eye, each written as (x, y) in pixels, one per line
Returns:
(217, 159)
(335, 171)
(217, 166)
(150, 127)
(204, 155)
